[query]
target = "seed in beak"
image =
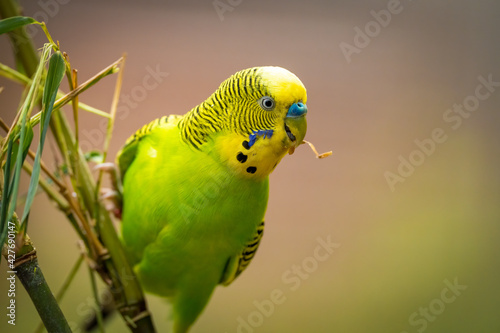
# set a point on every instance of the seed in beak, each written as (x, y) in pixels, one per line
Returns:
(328, 153)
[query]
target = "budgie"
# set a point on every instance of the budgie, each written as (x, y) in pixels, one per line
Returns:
(195, 187)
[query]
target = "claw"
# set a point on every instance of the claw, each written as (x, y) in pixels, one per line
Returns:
(112, 201)
(112, 196)
(108, 193)
(107, 166)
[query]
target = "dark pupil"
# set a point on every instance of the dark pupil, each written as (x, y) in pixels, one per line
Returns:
(268, 103)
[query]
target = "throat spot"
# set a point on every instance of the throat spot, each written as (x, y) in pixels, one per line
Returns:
(251, 169)
(242, 158)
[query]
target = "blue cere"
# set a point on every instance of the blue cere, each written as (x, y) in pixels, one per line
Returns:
(297, 109)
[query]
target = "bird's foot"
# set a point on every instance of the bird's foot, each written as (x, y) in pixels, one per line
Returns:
(112, 197)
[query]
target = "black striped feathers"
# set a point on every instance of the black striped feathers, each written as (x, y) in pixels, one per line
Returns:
(127, 154)
(236, 265)
(233, 107)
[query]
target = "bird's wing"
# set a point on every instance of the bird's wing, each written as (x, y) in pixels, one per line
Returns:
(127, 154)
(237, 264)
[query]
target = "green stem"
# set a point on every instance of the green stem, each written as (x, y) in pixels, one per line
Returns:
(21, 42)
(31, 276)
(113, 265)
(97, 307)
(20, 78)
(118, 273)
(64, 288)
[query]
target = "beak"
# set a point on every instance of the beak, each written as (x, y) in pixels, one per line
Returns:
(296, 124)
(296, 110)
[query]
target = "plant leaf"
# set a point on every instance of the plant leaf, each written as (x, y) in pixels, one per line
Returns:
(28, 137)
(14, 188)
(15, 22)
(4, 205)
(54, 78)
(18, 155)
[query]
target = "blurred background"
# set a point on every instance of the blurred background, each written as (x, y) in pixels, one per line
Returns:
(413, 216)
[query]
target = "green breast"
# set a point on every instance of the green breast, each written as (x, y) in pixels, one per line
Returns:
(184, 196)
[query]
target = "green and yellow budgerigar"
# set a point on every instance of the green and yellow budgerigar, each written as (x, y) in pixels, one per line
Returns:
(195, 187)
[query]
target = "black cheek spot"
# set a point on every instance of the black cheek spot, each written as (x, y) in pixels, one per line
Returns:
(251, 169)
(242, 158)
(245, 144)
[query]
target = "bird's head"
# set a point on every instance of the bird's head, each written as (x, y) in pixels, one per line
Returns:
(254, 118)
(270, 99)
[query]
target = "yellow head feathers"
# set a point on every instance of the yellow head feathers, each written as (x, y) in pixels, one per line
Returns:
(283, 85)
(252, 100)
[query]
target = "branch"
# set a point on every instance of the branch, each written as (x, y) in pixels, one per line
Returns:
(22, 260)
(113, 265)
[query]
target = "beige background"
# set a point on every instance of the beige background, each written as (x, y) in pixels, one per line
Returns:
(396, 247)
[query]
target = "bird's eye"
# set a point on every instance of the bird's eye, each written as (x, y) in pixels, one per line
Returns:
(267, 103)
